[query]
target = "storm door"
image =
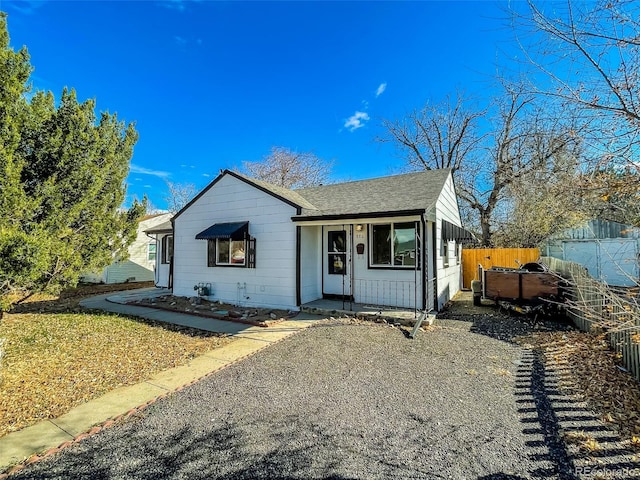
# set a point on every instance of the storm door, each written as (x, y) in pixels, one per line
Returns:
(336, 261)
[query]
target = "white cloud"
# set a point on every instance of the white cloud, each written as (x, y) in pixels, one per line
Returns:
(356, 121)
(381, 88)
(206, 175)
(26, 7)
(180, 41)
(173, 5)
(146, 171)
(179, 5)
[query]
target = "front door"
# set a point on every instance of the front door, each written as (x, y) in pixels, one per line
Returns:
(336, 261)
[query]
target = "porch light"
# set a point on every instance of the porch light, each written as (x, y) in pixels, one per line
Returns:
(358, 227)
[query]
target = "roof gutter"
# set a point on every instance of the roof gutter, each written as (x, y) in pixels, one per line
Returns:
(157, 232)
(357, 216)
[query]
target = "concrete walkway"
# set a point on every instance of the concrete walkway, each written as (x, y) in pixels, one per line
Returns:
(50, 435)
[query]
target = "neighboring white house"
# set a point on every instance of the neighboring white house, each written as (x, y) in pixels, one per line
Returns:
(140, 265)
(610, 251)
(389, 241)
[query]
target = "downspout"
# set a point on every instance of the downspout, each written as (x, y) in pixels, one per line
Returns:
(298, 265)
(423, 260)
(352, 268)
(420, 268)
(173, 240)
(346, 267)
(435, 267)
(323, 258)
(416, 263)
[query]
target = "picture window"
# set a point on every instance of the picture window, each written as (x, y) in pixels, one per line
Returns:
(393, 245)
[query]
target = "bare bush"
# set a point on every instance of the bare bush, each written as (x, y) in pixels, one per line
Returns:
(599, 308)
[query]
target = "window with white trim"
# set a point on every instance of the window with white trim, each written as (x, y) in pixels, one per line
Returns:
(445, 252)
(151, 252)
(393, 245)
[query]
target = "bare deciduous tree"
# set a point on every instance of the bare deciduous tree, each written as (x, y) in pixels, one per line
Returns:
(611, 194)
(598, 44)
(520, 140)
(289, 169)
(179, 194)
(542, 203)
(437, 136)
(589, 57)
(589, 53)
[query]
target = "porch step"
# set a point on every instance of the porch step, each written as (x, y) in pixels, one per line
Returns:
(403, 317)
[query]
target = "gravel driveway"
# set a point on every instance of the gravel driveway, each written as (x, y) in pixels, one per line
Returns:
(344, 400)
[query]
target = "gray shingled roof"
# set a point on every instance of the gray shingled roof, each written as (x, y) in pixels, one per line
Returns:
(164, 227)
(290, 195)
(384, 195)
(410, 191)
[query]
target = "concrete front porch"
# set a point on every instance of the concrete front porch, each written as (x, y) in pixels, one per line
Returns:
(336, 308)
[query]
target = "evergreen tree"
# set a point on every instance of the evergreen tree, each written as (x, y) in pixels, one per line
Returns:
(62, 174)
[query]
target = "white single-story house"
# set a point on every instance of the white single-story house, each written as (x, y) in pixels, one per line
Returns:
(610, 251)
(390, 241)
(141, 263)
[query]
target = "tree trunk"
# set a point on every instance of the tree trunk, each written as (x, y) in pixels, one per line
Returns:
(485, 225)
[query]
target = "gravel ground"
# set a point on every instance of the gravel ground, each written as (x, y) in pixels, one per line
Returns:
(352, 400)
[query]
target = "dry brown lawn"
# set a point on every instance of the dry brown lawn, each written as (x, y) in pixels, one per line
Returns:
(58, 355)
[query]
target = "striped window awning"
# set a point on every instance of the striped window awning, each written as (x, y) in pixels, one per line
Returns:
(451, 232)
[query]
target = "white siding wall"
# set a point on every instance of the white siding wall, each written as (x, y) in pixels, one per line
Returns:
(272, 283)
(310, 264)
(449, 278)
(381, 286)
(126, 271)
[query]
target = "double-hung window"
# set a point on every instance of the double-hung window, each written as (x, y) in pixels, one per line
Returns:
(393, 245)
(151, 252)
(445, 252)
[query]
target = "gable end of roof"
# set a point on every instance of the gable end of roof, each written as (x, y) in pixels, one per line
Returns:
(287, 196)
(283, 194)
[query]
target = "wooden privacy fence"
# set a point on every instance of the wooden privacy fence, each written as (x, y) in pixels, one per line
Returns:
(493, 257)
(596, 307)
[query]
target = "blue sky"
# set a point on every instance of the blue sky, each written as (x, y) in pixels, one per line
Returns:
(212, 84)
